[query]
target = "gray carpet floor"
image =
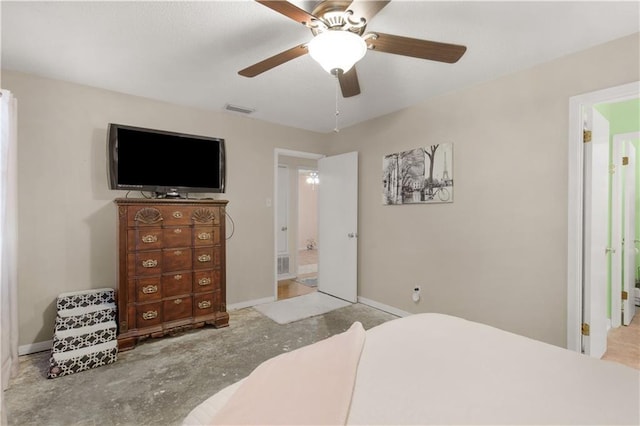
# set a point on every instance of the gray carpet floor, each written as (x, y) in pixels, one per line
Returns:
(162, 380)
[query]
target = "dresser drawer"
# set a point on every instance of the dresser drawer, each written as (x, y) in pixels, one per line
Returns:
(143, 216)
(176, 259)
(144, 238)
(178, 308)
(206, 216)
(206, 303)
(148, 289)
(176, 284)
(206, 236)
(176, 215)
(148, 314)
(207, 280)
(206, 258)
(178, 236)
(144, 263)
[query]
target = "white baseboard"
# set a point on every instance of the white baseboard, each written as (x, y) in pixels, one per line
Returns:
(249, 303)
(383, 307)
(288, 276)
(35, 347)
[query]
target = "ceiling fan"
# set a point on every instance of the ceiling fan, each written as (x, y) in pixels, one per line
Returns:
(340, 40)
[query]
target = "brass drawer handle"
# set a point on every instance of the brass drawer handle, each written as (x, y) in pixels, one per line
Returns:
(177, 214)
(177, 277)
(149, 238)
(177, 231)
(204, 281)
(150, 263)
(204, 258)
(177, 253)
(204, 304)
(204, 236)
(150, 289)
(177, 301)
(150, 315)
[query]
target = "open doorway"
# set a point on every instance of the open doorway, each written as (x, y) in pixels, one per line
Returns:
(587, 326)
(296, 227)
(303, 278)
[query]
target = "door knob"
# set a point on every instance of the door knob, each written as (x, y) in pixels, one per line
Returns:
(609, 250)
(284, 228)
(352, 235)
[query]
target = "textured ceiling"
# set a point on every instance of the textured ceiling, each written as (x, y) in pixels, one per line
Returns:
(189, 53)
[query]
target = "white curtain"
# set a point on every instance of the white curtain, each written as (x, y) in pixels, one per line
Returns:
(8, 239)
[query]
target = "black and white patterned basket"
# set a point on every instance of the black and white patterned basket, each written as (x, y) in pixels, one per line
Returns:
(82, 299)
(85, 334)
(62, 364)
(78, 338)
(85, 317)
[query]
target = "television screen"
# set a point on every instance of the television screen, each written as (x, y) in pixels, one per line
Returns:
(163, 162)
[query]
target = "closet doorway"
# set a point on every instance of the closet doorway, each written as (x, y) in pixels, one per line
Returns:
(594, 305)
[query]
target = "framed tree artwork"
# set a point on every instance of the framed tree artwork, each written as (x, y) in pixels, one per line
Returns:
(421, 175)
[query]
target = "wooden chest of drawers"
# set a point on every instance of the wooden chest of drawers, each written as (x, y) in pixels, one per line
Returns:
(171, 267)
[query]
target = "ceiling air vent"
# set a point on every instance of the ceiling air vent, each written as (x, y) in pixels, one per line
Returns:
(239, 109)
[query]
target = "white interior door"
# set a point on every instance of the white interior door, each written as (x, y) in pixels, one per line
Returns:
(617, 219)
(596, 188)
(283, 210)
(338, 226)
(629, 307)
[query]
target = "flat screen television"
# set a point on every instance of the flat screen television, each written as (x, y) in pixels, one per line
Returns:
(166, 163)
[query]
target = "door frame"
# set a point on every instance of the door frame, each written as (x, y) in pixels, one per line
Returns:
(575, 201)
(627, 307)
(616, 236)
(618, 141)
(277, 152)
(277, 210)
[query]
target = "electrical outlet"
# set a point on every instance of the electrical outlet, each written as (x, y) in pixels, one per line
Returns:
(415, 295)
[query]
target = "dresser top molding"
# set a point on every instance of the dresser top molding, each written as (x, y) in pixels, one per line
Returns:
(168, 201)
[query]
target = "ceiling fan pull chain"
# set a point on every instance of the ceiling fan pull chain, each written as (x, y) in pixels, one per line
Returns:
(336, 129)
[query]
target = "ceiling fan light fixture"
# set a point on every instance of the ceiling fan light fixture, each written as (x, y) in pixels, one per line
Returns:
(337, 50)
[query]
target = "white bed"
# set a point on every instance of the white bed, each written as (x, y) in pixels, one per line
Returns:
(429, 369)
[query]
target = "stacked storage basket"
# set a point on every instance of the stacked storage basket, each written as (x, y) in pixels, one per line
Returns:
(85, 333)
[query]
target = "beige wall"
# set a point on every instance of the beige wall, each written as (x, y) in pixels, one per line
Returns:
(67, 220)
(497, 254)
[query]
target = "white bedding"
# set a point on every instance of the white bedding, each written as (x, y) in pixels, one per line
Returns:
(330, 365)
(438, 369)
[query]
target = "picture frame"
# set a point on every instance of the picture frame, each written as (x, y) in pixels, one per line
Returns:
(421, 175)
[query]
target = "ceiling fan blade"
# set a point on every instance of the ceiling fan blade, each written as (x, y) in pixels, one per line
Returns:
(289, 10)
(349, 83)
(423, 49)
(366, 9)
(274, 61)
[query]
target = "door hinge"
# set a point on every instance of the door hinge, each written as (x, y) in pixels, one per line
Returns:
(585, 329)
(625, 161)
(586, 136)
(625, 295)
